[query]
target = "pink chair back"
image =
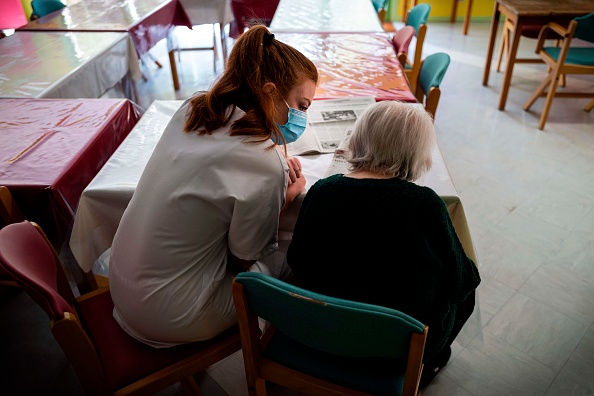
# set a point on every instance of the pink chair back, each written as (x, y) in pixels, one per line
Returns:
(402, 38)
(27, 256)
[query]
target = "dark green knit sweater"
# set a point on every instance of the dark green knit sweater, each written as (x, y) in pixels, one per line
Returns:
(387, 242)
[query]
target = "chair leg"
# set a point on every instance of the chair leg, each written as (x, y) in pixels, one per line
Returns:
(191, 387)
(503, 47)
(537, 93)
(549, 101)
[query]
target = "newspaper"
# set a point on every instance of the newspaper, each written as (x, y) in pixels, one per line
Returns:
(339, 163)
(328, 123)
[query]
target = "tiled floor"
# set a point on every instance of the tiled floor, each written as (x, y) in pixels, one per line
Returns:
(529, 198)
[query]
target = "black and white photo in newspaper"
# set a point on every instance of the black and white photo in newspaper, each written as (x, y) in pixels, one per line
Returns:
(328, 122)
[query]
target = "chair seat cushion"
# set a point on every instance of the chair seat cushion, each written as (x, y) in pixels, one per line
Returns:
(373, 375)
(124, 358)
(583, 56)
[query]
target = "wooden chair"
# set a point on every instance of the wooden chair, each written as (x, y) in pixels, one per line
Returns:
(563, 60)
(417, 18)
(433, 69)
(380, 8)
(9, 210)
(107, 360)
(401, 41)
(322, 345)
(9, 213)
(41, 8)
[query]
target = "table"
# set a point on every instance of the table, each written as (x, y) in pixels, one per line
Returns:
(50, 149)
(146, 21)
(353, 64)
(66, 64)
(346, 16)
(528, 12)
(210, 12)
(104, 200)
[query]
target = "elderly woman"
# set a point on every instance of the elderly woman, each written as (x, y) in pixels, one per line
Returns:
(390, 242)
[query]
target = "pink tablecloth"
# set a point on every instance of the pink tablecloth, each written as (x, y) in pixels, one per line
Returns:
(353, 64)
(50, 149)
(147, 21)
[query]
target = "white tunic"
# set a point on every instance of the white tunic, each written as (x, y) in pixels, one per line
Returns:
(197, 197)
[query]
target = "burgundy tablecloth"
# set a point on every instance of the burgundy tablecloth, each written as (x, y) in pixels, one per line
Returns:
(50, 149)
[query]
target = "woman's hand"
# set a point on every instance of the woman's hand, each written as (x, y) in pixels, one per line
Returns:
(296, 182)
(294, 170)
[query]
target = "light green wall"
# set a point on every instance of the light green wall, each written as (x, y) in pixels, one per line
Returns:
(482, 10)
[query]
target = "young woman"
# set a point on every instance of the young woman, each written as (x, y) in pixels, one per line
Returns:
(374, 236)
(208, 202)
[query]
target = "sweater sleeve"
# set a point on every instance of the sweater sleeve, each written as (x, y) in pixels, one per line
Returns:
(462, 273)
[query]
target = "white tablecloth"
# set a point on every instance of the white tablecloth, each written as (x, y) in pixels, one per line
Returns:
(208, 11)
(66, 64)
(104, 200)
(326, 16)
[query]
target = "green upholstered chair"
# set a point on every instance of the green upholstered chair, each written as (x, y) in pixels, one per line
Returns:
(381, 8)
(417, 18)
(433, 69)
(41, 8)
(323, 345)
(563, 60)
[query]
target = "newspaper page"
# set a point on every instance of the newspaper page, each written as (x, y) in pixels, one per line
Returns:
(328, 122)
(339, 163)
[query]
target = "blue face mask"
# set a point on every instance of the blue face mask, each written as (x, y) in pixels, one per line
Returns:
(295, 125)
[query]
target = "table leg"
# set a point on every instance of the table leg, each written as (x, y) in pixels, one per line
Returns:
(492, 36)
(173, 69)
(511, 60)
(454, 11)
(467, 16)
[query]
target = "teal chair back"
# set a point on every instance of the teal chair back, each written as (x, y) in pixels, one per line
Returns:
(585, 28)
(41, 8)
(345, 342)
(418, 16)
(433, 69)
(379, 4)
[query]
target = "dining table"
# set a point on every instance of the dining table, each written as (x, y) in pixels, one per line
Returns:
(106, 197)
(67, 65)
(353, 64)
(525, 13)
(307, 16)
(50, 149)
(146, 21)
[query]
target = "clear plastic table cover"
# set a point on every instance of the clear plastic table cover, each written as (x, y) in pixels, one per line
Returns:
(354, 64)
(320, 16)
(104, 200)
(50, 149)
(147, 21)
(64, 64)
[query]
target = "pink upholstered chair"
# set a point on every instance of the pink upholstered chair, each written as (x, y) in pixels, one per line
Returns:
(401, 41)
(107, 360)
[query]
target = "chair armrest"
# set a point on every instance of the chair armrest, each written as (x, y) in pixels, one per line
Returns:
(544, 34)
(101, 290)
